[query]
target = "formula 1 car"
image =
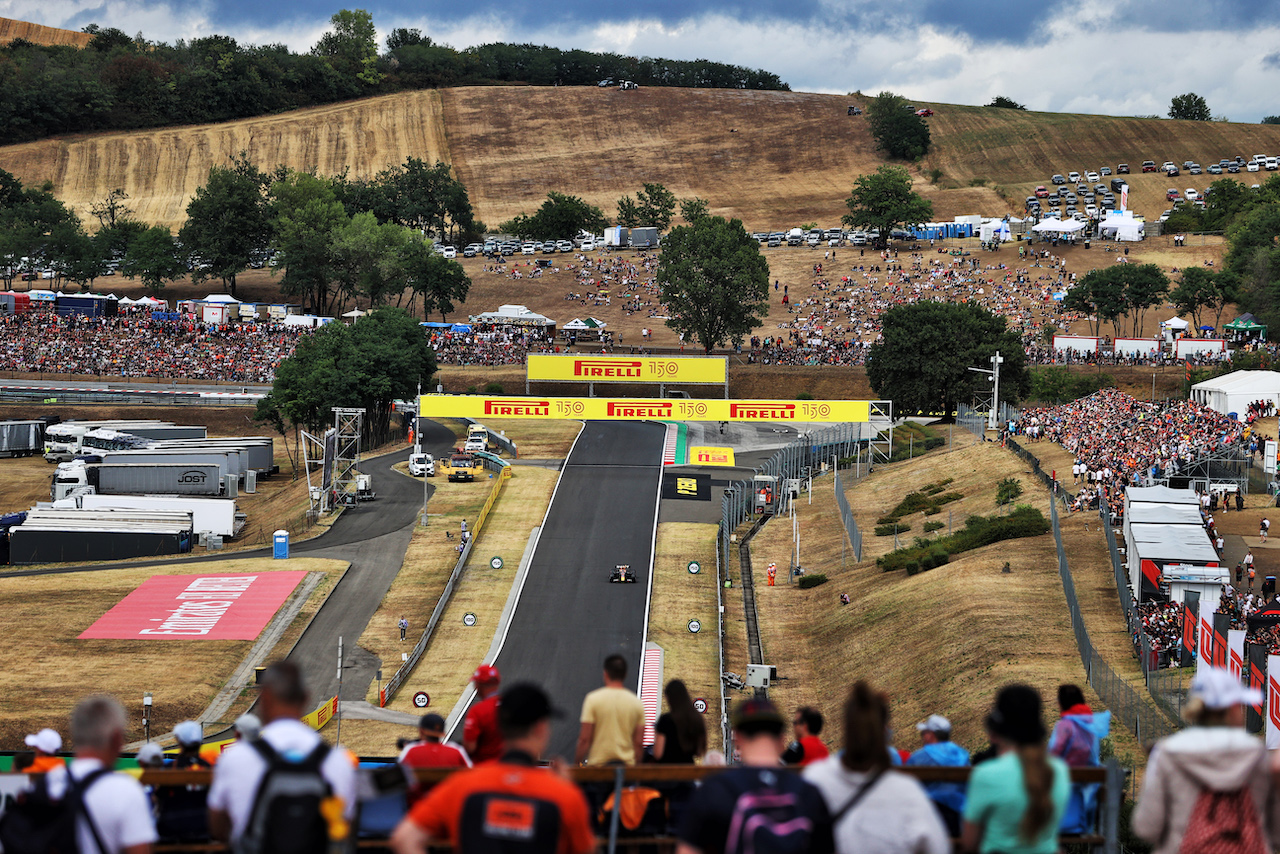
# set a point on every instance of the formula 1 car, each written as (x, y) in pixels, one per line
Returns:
(622, 574)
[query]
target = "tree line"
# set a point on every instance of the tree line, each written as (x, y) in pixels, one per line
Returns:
(332, 240)
(122, 82)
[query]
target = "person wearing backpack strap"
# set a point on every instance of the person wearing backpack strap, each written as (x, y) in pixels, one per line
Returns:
(1208, 788)
(509, 805)
(761, 807)
(115, 813)
(874, 810)
(285, 791)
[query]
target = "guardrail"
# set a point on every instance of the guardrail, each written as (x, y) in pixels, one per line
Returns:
(397, 679)
(497, 439)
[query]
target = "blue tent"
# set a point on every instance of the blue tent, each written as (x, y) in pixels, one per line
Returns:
(461, 328)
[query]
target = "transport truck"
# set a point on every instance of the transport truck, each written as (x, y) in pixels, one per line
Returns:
(227, 459)
(63, 441)
(260, 449)
(137, 479)
(57, 536)
(21, 438)
(208, 515)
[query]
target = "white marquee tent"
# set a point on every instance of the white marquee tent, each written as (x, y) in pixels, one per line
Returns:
(1122, 225)
(1234, 392)
(1058, 226)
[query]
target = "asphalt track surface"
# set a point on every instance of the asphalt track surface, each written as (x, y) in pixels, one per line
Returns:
(569, 616)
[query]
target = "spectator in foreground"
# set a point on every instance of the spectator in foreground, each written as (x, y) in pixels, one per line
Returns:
(807, 748)
(430, 750)
(1015, 802)
(505, 804)
(680, 735)
(873, 808)
(46, 743)
(939, 751)
(1077, 741)
(788, 813)
(237, 811)
(481, 736)
(117, 811)
(1211, 768)
(612, 720)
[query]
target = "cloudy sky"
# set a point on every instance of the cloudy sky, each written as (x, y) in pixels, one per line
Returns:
(1118, 57)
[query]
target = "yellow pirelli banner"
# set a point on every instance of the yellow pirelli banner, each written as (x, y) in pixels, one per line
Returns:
(705, 455)
(644, 409)
(628, 369)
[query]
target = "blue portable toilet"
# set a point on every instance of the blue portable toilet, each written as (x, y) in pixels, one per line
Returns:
(281, 540)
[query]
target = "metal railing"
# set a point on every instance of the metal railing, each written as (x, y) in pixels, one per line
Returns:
(846, 516)
(397, 679)
(1127, 705)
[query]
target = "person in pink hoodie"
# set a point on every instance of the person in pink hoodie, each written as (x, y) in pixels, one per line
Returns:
(1212, 779)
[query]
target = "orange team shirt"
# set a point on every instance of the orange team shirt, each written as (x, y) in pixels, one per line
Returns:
(44, 764)
(481, 727)
(439, 814)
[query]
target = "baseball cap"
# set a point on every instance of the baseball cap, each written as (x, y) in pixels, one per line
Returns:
(189, 733)
(756, 710)
(524, 704)
(934, 723)
(485, 673)
(150, 754)
(248, 726)
(431, 722)
(45, 740)
(1218, 689)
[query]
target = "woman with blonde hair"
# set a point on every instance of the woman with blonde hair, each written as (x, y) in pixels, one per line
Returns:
(874, 810)
(1015, 802)
(1211, 780)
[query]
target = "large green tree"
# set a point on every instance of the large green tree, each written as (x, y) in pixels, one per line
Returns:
(897, 130)
(713, 281)
(653, 205)
(1202, 289)
(884, 200)
(922, 360)
(379, 359)
(1099, 296)
(352, 46)
(153, 259)
(560, 217)
(438, 281)
(306, 213)
(1190, 107)
(227, 224)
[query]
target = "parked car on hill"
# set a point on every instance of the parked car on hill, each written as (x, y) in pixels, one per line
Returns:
(1091, 176)
(1042, 192)
(926, 112)
(1148, 166)
(1057, 179)
(1073, 177)
(1106, 170)
(1123, 169)
(1252, 166)
(1215, 169)
(1194, 169)
(1171, 194)
(1233, 168)
(1172, 171)
(1191, 194)
(449, 252)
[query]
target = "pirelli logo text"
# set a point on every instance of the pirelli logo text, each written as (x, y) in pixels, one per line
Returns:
(607, 369)
(641, 410)
(763, 411)
(518, 407)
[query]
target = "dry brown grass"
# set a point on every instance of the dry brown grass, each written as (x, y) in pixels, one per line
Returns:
(368, 738)
(942, 641)
(11, 30)
(456, 649)
(538, 440)
(679, 597)
(45, 667)
(511, 144)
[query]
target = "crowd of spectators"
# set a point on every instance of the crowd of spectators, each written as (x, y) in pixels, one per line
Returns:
(136, 345)
(1161, 622)
(494, 346)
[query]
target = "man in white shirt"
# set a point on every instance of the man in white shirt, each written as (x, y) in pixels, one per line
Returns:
(281, 703)
(116, 804)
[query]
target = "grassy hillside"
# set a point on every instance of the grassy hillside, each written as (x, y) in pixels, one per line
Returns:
(40, 34)
(774, 159)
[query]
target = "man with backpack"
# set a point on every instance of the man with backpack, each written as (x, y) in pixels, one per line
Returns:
(760, 806)
(84, 806)
(509, 805)
(286, 791)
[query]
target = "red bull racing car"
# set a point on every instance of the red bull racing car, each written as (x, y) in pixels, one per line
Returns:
(622, 574)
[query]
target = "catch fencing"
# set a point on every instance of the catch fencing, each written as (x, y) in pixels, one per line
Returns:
(1127, 706)
(846, 516)
(397, 679)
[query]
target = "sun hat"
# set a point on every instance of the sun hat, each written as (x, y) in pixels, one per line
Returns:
(46, 741)
(248, 726)
(934, 723)
(150, 754)
(189, 733)
(1218, 689)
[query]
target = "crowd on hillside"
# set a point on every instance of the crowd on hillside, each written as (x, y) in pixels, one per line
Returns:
(136, 345)
(498, 347)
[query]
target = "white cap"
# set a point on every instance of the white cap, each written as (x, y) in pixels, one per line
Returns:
(934, 723)
(46, 740)
(1218, 689)
(248, 726)
(150, 754)
(189, 733)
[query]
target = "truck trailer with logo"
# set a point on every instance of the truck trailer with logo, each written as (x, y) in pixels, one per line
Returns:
(138, 479)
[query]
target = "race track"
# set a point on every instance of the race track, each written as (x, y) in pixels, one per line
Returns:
(569, 616)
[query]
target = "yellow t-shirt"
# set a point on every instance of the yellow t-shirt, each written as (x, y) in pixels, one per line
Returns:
(616, 712)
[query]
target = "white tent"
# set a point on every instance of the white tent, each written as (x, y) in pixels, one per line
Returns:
(1058, 226)
(1234, 392)
(1122, 225)
(354, 313)
(223, 298)
(513, 315)
(994, 229)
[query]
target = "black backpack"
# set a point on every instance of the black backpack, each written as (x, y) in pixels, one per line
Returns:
(770, 818)
(36, 823)
(505, 823)
(286, 817)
